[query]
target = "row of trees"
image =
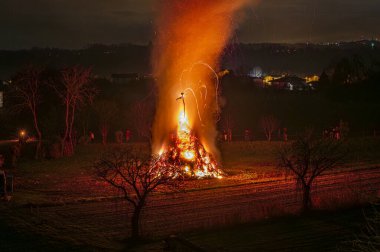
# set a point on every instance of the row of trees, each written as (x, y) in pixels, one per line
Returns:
(68, 103)
(350, 71)
(73, 89)
(126, 107)
(270, 124)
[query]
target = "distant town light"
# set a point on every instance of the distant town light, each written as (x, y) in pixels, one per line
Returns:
(310, 79)
(256, 72)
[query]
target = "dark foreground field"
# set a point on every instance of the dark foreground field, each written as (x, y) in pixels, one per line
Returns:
(59, 205)
(320, 231)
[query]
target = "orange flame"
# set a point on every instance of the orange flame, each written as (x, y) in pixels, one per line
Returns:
(184, 138)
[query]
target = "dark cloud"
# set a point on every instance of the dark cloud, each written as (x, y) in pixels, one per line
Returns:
(76, 23)
(311, 21)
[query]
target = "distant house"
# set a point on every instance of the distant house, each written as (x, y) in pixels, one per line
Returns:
(256, 72)
(268, 78)
(312, 79)
(290, 83)
(124, 78)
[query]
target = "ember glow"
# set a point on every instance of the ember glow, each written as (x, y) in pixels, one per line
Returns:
(191, 35)
(189, 154)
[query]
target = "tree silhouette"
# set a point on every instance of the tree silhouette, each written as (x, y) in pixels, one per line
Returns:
(307, 158)
(349, 71)
(27, 86)
(106, 112)
(324, 81)
(269, 124)
(142, 116)
(74, 90)
(137, 175)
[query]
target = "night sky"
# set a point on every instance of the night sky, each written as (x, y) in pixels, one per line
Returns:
(77, 23)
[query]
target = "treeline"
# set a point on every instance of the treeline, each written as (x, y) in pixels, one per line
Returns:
(105, 60)
(62, 107)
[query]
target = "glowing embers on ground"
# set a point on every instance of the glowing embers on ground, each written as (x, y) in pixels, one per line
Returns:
(186, 151)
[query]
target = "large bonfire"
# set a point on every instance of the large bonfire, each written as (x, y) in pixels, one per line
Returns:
(189, 154)
(191, 35)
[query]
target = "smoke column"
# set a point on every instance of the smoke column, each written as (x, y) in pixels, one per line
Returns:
(187, 32)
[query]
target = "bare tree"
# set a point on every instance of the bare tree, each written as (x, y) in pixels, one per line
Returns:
(75, 91)
(136, 176)
(307, 158)
(142, 114)
(27, 91)
(106, 112)
(269, 124)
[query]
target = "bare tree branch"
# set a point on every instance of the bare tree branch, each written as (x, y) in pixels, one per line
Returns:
(269, 124)
(75, 91)
(136, 176)
(27, 93)
(307, 158)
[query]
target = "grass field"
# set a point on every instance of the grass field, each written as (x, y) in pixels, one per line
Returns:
(73, 177)
(237, 157)
(60, 204)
